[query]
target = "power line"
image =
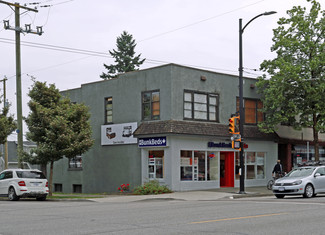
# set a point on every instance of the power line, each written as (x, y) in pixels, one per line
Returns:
(199, 22)
(96, 53)
(106, 55)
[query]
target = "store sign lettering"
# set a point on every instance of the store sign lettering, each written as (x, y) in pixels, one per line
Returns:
(219, 145)
(152, 142)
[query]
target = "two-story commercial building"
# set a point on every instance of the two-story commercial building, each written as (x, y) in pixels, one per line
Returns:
(168, 123)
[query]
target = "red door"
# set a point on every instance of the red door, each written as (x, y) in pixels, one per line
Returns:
(227, 169)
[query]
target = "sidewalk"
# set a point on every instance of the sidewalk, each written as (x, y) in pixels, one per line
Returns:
(203, 195)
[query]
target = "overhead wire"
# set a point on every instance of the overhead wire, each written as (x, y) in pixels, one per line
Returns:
(95, 53)
(198, 22)
(102, 54)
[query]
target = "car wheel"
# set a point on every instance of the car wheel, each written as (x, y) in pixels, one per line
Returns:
(309, 191)
(12, 196)
(279, 195)
(41, 198)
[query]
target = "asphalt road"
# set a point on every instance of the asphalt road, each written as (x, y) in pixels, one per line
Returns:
(253, 215)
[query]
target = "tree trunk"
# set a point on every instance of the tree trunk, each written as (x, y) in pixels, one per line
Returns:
(44, 169)
(315, 134)
(51, 179)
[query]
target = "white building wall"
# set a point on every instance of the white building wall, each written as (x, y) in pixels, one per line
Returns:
(172, 161)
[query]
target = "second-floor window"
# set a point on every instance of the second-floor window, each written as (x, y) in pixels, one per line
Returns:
(150, 105)
(108, 110)
(251, 110)
(200, 106)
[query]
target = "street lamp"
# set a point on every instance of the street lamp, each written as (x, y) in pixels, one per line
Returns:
(241, 101)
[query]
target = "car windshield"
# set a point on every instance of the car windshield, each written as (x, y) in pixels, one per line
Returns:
(30, 174)
(300, 172)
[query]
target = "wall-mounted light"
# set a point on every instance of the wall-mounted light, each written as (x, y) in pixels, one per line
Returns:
(203, 78)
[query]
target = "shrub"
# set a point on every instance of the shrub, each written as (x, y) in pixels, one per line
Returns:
(124, 188)
(151, 187)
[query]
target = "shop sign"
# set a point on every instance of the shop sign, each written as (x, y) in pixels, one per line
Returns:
(118, 134)
(219, 145)
(222, 145)
(152, 142)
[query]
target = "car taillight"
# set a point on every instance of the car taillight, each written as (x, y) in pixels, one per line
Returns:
(21, 183)
(47, 184)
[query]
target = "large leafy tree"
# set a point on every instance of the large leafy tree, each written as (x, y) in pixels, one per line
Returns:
(7, 124)
(295, 92)
(124, 56)
(58, 127)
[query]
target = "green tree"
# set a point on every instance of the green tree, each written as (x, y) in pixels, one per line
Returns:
(7, 124)
(124, 56)
(58, 127)
(295, 92)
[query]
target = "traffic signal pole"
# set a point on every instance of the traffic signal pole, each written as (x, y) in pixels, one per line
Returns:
(241, 112)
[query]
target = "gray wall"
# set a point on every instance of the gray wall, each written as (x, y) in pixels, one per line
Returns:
(105, 168)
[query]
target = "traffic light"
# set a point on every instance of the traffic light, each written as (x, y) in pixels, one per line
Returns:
(232, 125)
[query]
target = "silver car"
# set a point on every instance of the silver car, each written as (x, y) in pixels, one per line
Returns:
(306, 181)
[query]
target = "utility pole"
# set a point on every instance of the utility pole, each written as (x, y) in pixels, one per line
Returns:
(19, 30)
(5, 105)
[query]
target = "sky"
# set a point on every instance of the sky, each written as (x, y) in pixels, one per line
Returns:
(79, 33)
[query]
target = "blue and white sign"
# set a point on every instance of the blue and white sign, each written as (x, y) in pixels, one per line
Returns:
(152, 142)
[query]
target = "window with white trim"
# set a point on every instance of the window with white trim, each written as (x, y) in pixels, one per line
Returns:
(108, 110)
(198, 165)
(201, 106)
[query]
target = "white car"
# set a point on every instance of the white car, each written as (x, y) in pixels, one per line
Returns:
(18, 183)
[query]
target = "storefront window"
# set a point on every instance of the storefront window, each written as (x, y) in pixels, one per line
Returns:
(255, 165)
(186, 165)
(199, 166)
(212, 166)
(199, 156)
(250, 165)
(156, 164)
(260, 171)
(305, 153)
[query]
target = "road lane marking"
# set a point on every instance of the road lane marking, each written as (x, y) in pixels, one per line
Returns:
(238, 218)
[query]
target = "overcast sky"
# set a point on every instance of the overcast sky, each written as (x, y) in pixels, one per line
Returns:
(196, 33)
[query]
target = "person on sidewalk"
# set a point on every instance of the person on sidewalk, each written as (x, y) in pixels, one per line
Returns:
(277, 170)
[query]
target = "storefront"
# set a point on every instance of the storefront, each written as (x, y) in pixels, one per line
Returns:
(305, 153)
(190, 163)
